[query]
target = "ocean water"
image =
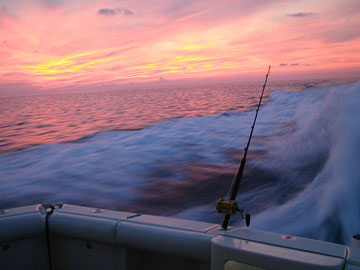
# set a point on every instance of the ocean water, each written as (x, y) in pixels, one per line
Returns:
(173, 151)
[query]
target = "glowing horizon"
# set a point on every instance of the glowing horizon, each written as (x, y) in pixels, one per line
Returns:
(56, 43)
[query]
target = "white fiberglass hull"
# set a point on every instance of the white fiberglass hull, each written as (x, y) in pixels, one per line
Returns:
(74, 237)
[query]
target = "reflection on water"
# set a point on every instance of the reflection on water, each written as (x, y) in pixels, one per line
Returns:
(32, 120)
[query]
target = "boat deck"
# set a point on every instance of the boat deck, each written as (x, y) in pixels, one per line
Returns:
(74, 237)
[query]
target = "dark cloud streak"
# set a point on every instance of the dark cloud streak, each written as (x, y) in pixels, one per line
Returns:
(293, 64)
(302, 14)
(114, 11)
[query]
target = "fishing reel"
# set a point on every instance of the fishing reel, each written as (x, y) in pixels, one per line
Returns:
(229, 208)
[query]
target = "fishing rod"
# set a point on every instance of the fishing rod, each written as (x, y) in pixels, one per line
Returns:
(230, 207)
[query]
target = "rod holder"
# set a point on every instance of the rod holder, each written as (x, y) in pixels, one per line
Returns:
(355, 240)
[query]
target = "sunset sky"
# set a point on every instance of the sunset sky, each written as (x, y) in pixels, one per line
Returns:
(51, 44)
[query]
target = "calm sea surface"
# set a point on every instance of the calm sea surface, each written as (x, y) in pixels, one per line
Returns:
(28, 121)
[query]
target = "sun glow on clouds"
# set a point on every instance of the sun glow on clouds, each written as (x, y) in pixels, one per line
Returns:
(81, 43)
(70, 64)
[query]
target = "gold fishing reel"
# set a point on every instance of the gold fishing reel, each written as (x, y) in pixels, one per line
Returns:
(229, 208)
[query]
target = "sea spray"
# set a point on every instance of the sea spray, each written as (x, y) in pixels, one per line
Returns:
(329, 207)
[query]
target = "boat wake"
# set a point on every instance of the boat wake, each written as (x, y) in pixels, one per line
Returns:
(326, 133)
(315, 158)
(302, 175)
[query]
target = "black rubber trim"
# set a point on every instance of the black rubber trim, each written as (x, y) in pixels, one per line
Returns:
(49, 210)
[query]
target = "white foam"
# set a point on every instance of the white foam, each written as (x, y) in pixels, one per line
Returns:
(113, 165)
(329, 207)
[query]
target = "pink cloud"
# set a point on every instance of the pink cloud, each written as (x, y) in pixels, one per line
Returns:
(60, 43)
